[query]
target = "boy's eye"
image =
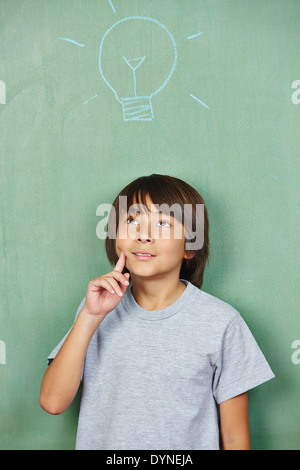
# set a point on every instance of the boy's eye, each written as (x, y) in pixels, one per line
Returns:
(129, 220)
(164, 223)
(161, 223)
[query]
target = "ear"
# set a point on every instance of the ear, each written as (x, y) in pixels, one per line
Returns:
(189, 254)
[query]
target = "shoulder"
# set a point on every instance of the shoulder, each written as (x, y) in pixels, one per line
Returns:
(212, 308)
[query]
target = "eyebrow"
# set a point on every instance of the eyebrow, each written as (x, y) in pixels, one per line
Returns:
(134, 208)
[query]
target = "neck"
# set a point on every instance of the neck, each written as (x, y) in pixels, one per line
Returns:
(156, 294)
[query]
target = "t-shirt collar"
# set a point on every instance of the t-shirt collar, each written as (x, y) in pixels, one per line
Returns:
(133, 307)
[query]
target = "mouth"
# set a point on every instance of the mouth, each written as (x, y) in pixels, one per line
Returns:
(143, 255)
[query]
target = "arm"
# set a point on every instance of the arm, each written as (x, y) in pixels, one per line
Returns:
(62, 378)
(234, 420)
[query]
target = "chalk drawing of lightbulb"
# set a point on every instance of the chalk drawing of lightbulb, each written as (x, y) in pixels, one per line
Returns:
(137, 58)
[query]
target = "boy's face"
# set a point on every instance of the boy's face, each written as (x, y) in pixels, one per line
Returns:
(159, 236)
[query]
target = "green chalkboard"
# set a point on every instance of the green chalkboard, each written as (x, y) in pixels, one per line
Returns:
(94, 94)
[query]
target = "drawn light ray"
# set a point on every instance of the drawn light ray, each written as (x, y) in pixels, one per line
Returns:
(194, 36)
(72, 41)
(90, 99)
(111, 4)
(199, 101)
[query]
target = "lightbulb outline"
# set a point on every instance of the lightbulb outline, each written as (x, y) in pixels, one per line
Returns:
(153, 21)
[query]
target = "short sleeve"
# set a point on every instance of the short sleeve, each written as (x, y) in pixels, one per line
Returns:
(59, 345)
(241, 365)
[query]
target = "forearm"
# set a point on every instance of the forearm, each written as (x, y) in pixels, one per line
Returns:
(234, 419)
(62, 378)
(238, 443)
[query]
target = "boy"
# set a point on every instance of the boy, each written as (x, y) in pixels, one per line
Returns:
(157, 355)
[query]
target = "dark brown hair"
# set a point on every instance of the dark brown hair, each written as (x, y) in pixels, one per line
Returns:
(164, 189)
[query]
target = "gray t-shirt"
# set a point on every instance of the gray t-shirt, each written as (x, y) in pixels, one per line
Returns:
(152, 379)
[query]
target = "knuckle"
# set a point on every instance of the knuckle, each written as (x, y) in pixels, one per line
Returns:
(116, 274)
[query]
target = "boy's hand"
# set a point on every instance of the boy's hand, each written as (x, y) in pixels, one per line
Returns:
(105, 292)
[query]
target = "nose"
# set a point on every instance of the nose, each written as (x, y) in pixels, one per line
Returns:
(144, 239)
(144, 234)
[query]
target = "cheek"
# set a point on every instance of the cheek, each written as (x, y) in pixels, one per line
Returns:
(179, 246)
(121, 245)
(173, 248)
(118, 250)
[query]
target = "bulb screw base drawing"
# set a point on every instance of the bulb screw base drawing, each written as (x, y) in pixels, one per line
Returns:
(138, 108)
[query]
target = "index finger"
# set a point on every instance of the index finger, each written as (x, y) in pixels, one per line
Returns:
(120, 263)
